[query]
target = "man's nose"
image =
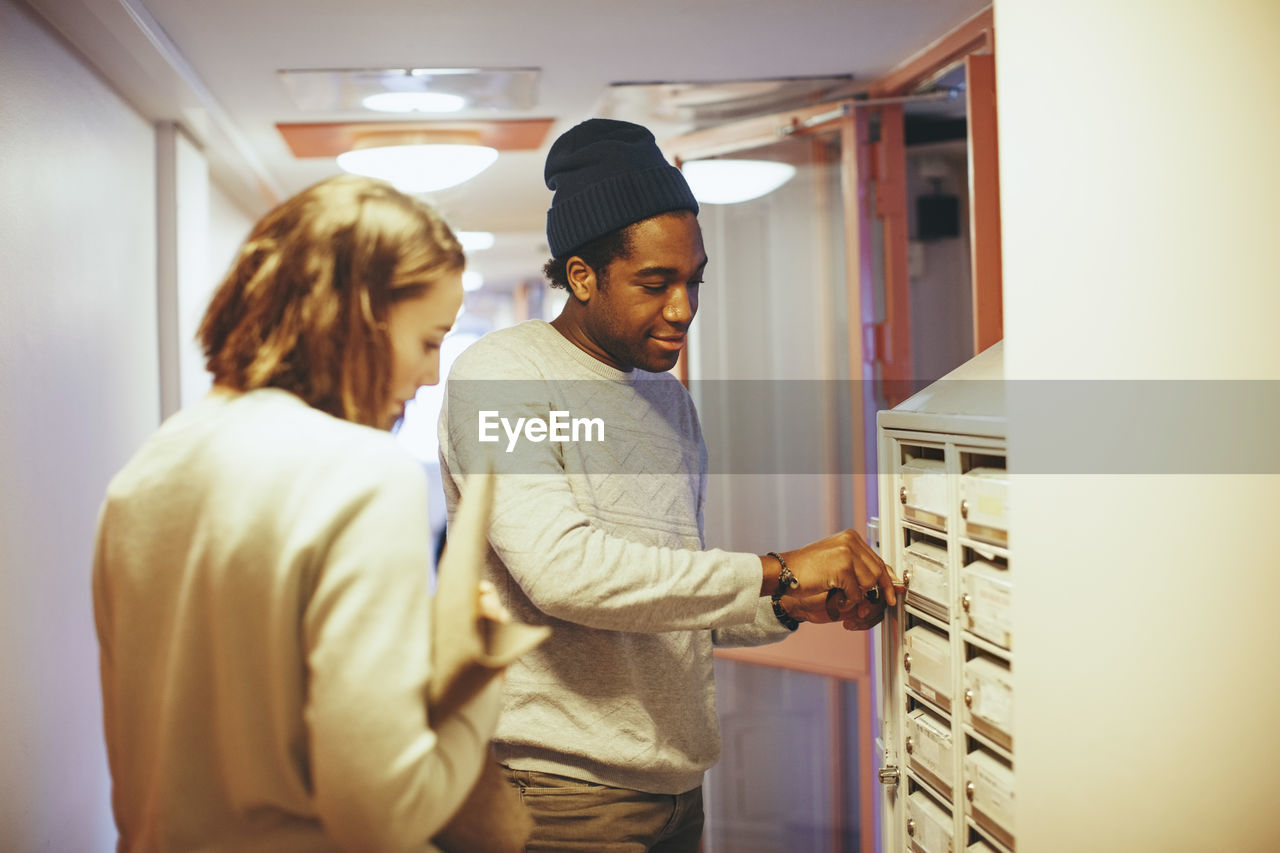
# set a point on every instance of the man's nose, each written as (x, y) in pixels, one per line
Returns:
(678, 308)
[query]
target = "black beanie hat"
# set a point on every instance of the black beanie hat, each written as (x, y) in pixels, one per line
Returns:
(607, 174)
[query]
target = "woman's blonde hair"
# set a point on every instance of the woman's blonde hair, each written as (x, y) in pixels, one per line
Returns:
(304, 307)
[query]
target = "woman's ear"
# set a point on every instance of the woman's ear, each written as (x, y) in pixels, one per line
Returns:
(581, 278)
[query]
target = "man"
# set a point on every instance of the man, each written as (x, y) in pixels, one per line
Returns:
(609, 726)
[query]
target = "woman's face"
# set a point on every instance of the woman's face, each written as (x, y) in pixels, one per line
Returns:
(417, 327)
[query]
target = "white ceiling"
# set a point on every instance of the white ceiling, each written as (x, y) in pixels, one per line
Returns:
(212, 65)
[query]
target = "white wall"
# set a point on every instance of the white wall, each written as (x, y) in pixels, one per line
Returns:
(79, 390)
(778, 464)
(940, 281)
(1139, 181)
(210, 228)
(185, 282)
(229, 224)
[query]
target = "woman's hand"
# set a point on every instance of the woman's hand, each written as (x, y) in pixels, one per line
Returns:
(490, 605)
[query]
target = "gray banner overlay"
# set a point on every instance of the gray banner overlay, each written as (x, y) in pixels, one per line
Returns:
(803, 426)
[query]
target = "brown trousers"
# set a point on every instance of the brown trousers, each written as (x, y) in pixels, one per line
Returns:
(574, 816)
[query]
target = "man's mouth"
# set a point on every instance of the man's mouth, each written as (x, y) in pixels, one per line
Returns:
(673, 343)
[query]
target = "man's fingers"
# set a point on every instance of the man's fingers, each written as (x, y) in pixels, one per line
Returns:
(812, 608)
(891, 587)
(836, 601)
(885, 589)
(874, 576)
(865, 615)
(857, 614)
(846, 562)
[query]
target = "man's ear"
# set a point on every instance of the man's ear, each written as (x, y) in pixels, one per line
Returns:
(581, 278)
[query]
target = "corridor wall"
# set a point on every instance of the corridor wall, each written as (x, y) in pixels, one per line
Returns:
(1138, 183)
(79, 390)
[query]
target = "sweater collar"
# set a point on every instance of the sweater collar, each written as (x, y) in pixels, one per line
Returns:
(584, 360)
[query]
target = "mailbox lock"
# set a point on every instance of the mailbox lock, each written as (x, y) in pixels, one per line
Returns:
(906, 577)
(889, 774)
(902, 495)
(906, 661)
(964, 509)
(965, 601)
(911, 827)
(909, 746)
(968, 791)
(968, 698)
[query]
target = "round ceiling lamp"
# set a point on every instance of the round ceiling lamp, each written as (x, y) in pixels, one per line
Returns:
(419, 167)
(734, 181)
(407, 102)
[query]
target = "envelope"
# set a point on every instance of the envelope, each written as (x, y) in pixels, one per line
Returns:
(469, 650)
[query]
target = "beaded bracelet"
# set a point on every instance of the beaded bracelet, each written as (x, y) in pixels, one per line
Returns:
(786, 581)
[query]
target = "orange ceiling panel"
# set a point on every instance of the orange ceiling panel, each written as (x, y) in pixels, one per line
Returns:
(329, 139)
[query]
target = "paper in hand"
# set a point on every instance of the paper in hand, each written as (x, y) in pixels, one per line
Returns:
(468, 649)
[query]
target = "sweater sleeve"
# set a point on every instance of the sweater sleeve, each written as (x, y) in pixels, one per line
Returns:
(382, 778)
(575, 571)
(764, 629)
(567, 565)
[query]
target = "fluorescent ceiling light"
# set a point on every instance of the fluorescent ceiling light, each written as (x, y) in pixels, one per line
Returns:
(475, 241)
(732, 181)
(419, 168)
(472, 280)
(407, 102)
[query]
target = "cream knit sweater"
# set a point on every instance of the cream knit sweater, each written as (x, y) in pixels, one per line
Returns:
(261, 595)
(601, 540)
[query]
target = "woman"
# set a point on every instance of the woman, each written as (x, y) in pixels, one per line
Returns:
(261, 574)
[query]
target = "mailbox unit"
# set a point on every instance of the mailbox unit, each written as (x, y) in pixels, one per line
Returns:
(946, 703)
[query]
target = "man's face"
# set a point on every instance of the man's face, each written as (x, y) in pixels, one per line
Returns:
(640, 308)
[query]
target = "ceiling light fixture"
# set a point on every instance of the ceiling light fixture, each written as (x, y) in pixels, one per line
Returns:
(482, 89)
(475, 241)
(734, 181)
(407, 102)
(472, 280)
(413, 166)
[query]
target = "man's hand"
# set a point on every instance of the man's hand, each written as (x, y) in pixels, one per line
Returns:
(835, 576)
(865, 614)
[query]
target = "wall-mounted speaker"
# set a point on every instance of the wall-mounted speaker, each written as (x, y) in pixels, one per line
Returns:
(937, 216)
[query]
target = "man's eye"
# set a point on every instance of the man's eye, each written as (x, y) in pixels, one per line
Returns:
(694, 283)
(430, 346)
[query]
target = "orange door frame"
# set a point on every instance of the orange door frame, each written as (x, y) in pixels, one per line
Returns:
(973, 44)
